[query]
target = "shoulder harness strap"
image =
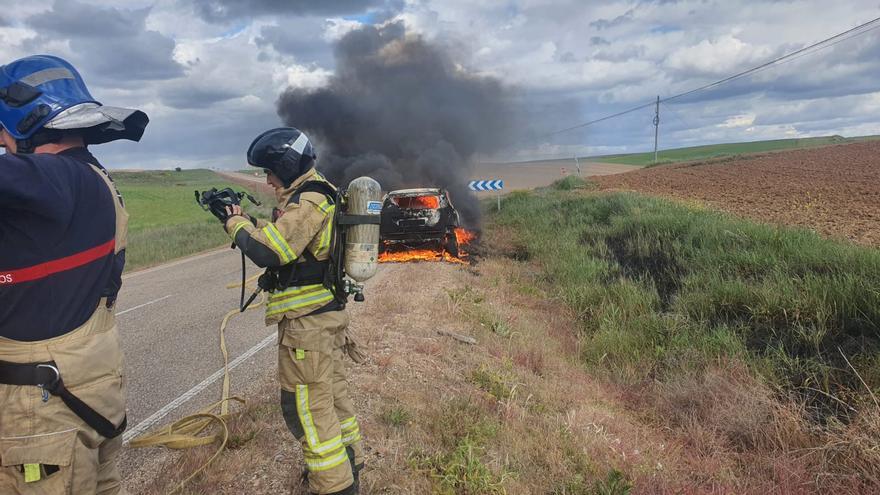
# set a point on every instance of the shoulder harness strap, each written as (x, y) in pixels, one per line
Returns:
(311, 271)
(317, 186)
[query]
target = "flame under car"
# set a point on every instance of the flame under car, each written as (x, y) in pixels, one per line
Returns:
(419, 219)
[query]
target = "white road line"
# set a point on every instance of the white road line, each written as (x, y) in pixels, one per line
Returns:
(161, 413)
(142, 305)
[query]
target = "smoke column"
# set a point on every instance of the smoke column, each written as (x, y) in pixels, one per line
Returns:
(400, 110)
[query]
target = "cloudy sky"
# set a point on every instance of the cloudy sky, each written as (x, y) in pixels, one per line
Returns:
(209, 72)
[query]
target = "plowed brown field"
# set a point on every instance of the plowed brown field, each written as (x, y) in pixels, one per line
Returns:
(833, 190)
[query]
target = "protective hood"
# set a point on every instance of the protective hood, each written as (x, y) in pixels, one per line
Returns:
(101, 124)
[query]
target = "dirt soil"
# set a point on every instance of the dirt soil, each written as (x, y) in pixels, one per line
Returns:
(515, 413)
(833, 190)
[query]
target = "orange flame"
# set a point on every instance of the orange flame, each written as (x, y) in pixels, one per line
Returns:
(464, 236)
(413, 255)
(393, 254)
(418, 202)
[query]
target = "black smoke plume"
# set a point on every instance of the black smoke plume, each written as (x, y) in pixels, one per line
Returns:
(401, 110)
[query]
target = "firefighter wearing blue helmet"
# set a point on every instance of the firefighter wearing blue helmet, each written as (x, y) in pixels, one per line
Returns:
(62, 250)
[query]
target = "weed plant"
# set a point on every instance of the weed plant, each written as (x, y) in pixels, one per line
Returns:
(663, 290)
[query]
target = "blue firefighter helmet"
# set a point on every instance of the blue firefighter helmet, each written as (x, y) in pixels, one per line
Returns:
(43, 95)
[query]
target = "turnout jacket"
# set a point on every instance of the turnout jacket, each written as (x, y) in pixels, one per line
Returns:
(62, 242)
(304, 222)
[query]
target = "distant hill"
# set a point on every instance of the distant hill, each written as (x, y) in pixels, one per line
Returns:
(728, 149)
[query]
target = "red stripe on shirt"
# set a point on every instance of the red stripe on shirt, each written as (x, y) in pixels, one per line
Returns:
(43, 270)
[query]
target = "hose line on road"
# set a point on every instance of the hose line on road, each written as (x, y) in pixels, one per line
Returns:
(185, 432)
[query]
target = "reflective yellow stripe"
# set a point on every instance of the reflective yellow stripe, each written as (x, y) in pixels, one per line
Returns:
(330, 462)
(325, 206)
(277, 299)
(327, 234)
(317, 449)
(349, 424)
(293, 291)
(299, 302)
(351, 432)
(238, 226)
(281, 247)
(352, 438)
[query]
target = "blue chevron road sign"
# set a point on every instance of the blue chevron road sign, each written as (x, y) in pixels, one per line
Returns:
(486, 185)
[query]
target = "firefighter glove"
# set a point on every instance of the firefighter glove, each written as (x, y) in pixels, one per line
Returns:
(352, 349)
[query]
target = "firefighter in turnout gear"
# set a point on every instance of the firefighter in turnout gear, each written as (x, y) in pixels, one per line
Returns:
(62, 251)
(312, 322)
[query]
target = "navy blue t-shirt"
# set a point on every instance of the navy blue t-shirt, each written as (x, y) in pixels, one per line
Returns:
(57, 232)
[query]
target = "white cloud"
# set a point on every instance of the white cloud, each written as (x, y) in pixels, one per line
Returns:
(573, 60)
(335, 29)
(724, 55)
(744, 120)
(297, 76)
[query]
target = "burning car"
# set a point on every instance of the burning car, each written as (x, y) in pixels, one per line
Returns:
(418, 219)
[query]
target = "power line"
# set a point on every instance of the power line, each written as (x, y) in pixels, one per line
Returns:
(815, 47)
(829, 45)
(778, 59)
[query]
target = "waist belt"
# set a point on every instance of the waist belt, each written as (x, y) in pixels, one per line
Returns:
(308, 272)
(48, 378)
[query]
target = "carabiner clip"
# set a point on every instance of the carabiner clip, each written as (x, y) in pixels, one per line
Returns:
(43, 386)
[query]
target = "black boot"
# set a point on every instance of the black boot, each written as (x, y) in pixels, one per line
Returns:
(355, 469)
(355, 473)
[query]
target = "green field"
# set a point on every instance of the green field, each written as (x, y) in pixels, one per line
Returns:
(165, 222)
(662, 290)
(722, 150)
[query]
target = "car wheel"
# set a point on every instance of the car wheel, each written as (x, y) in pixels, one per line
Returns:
(451, 245)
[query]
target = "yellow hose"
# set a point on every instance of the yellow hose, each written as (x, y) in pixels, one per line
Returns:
(184, 433)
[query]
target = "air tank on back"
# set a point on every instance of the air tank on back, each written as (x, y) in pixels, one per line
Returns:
(363, 197)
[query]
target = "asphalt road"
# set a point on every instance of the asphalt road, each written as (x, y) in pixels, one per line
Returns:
(169, 318)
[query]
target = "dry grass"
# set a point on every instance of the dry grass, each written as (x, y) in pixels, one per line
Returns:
(518, 414)
(255, 461)
(513, 414)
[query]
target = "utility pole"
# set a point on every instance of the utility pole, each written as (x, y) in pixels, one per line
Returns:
(656, 127)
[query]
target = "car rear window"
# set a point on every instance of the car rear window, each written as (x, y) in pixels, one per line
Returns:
(417, 202)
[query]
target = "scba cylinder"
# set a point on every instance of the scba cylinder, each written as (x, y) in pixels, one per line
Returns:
(362, 239)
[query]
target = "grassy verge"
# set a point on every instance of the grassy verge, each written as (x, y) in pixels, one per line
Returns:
(513, 414)
(696, 310)
(722, 150)
(165, 222)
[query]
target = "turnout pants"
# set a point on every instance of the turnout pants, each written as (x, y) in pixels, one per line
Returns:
(315, 401)
(44, 447)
